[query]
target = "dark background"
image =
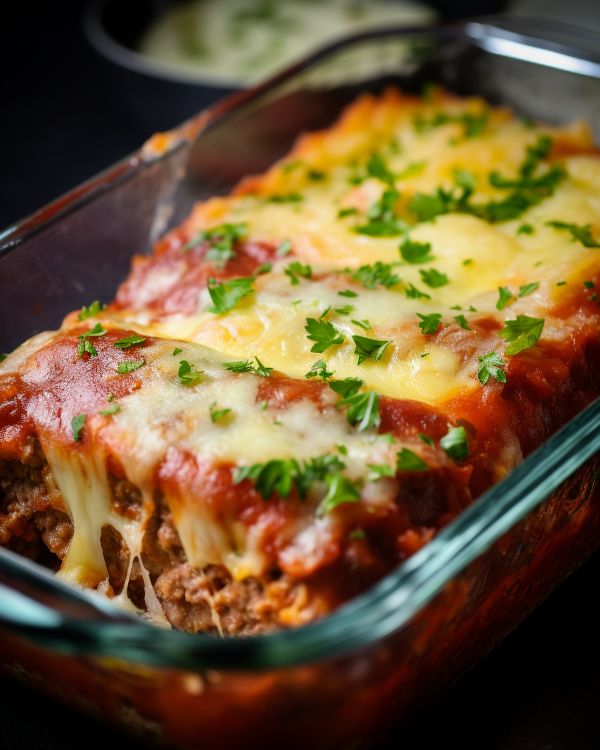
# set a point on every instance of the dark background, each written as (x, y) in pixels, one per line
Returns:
(65, 116)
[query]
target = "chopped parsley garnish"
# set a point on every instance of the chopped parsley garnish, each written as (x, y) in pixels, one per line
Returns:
(376, 167)
(490, 365)
(296, 269)
(264, 268)
(188, 374)
(347, 293)
(412, 292)
(339, 490)
(86, 347)
(528, 190)
(130, 365)
(128, 341)
(378, 471)
(114, 408)
(579, 232)
(525, 229)
(176, 351)
(415, 252)
(345, 310)
(91, 310)
(226, 295)
(504, 297)
(462, 322)
(246, 365)
(378, 274)
(221, 239)
(287, 198)
(3, 357)
(382, 219)
(472, 124)
(415, 168)
(455, 443)
(589, 284)
(426, 439)
(316, 175)
(356, 535)
(261, 370)
(217, 414)
(429, 323)
(433, 278)
(284, 248)
(319, 370)
(280, 475)
(407, 460)
(323, 333)
(77, 423)
(363, 408)
(367, 348)
(349, 211)
(364, 324)
(522, 333)
(526, 289)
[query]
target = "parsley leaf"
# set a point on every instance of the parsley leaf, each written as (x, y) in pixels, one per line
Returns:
(188, 374)
(97, 330)
(504, 297)
(339, 490)
(114, 408)
(77, 423)
(261, 370)
(347, 293)
(364, 324)
(242, 365)
(490, 365)
(176, 351)
(363, 408)
(412, 292)
(579, 232)
(295, 269)
(319, 370)
(129, 366)
(86, 347)
(284, 248)
(217, 414)
(378, 274)
(522, 333)
(462, 322)
(415, 252)
(455, 443)
(407, 460)
(525, 229)
(226, 295)
(91, 310)
(376, 167)
(367, 348)
(128, 341)
(378, 471)
(433, 278)
(429, 323)
(221, 239)
(345, 310)
(246, 365)
(526, 289)
(382, 219)
(287, 198)
(323, 333)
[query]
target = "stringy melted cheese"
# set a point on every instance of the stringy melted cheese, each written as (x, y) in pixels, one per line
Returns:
(477, 257)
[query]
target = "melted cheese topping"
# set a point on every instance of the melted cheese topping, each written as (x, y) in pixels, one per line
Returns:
(477, 257)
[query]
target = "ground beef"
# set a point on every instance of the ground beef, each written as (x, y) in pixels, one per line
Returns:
(34, 522)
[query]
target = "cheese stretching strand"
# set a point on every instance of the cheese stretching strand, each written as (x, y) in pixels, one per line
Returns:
(311, 376)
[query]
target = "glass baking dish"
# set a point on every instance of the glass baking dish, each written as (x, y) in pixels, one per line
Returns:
(348, 679)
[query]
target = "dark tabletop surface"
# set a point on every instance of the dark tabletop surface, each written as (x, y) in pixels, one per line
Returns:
(65, 116)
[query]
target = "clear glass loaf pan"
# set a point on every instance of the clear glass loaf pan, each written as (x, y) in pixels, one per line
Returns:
(349, 679)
